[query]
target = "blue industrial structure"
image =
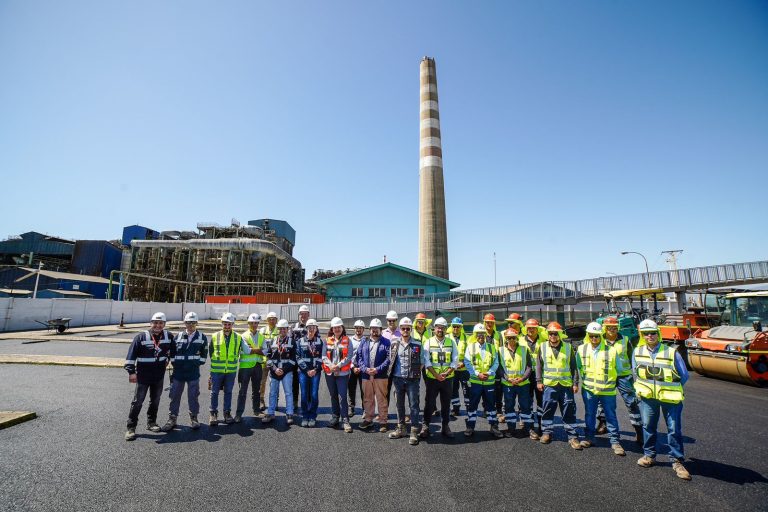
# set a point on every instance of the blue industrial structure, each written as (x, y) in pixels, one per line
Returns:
(137, 232)
(34, 246)
(95, 258)
(279, 228)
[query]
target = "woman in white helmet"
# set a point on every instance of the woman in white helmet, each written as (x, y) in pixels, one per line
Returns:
(355, 377)
(281, 359)
(337, 363)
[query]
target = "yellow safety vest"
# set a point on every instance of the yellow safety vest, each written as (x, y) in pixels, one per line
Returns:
(440, 355)
(251, 360)
(268, 337)
(482, 362)
(598, 372)
(224, 357)
(656, 376)
(514, 363)
(556, 368)
(621, 346)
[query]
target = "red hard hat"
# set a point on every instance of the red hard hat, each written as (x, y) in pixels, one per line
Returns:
(513, 316)
(611, 320)
(511, 332)
(531, 322)
(421, 316)
(489, 317)
(554, 326)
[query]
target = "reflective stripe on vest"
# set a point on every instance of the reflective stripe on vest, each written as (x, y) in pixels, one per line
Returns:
(657, 377)
(514, 364)
(251, 360)
(440, 355)
(341, 351)
(599, 371)
(224, 357)
(621, 345)
(557, 368)
(482, 362)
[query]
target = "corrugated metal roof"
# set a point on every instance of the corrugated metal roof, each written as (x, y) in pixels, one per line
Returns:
(63, 275)
(15, 291)
(67, 292)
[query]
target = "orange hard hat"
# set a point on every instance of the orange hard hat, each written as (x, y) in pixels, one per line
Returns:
(489, 317)
(531, 322)
(611, 320)
(554, 326)
(513, 316)
(511, 333)
(421, 316)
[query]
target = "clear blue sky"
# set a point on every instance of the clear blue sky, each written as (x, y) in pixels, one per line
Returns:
(571, 130)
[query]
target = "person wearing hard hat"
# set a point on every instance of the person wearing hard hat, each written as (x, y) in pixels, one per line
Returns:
(250, 373)
(420, 332)
(147, 360)
(624, 380)
(461, 375)
(281, 359)
(191, 353)
(535, 336)
(660, 375)
(596, 361)
(516, 320)
(440, 357)
(309, 357)
(481, 359)
(337, 363)
(515, 364)
(298, 331)
(557, 377)
(493, 336)
(390, 333)
(372, 361)
(269, 332)
(405, 368)
(355, 376)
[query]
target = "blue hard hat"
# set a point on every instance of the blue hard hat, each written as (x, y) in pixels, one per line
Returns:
(457, 321)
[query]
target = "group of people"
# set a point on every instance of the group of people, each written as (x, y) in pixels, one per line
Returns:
(508, 371)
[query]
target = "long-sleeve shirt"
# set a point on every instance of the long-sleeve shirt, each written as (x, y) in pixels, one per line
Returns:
(355, 345)
(426, 358)
(309, 353)
(191, 353)
(390, 334)
(282, 355)
(482, 348)
(680, 368)
(336, 356)
(149, 355)
(556, 351)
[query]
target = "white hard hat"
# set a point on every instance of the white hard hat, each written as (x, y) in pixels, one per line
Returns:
(271, 314)
(304, 309)
(282, 323)
(594, 328)
(478, 328)
(228, 317)
(190, 317)
(160, 317)
(392, 315)
(375, 323)
(648, 325)
(254, 317)
(359, 323)
(442, 322)
(405, 321)
(336, 322)
(311, 321)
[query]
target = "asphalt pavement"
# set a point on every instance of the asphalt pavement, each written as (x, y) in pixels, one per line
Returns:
(73, 456)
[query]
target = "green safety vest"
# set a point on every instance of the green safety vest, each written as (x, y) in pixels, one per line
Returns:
(461, 346)
(440, 355)
(557, 369)
(268, 337)
(251, 360)
(421, 337)
(598, 372)
(224, 357)
(482, 362)
(514, 363)
(656, 377)
(621, 346)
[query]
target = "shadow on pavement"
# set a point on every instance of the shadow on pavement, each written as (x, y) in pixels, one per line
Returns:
(724, 472)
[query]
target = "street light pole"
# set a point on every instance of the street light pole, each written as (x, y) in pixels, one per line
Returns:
(647, 272)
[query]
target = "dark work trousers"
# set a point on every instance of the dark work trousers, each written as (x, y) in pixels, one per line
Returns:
(296, 387)
(355, 383)
(498, 389)
(460, 380)
(337, 387)
(155, 390)
(538, 410)
(435, 388)
(249, 377)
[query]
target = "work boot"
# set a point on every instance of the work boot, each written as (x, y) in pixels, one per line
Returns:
(638, 434)
(238, 418)
(446, 432)
(228, 419)
(586, 443)
(407, 419)
(545, 439)
(289, 420)
(424, 433)
(575, 444)
(501, 418)
(130, 434)
(602, 428)
(645, 461)
(334, 423)
(311, 423)
(170, 424)
(214, 419)
(510, 432)
(413, 440)
(193, 421)
(347, 426)
(383, 428)
(680, 470)
(304, 423)
(454, 413)
(153, 427)
(267, 419)
(366, 424)
(533, 435)
(618, 450)
(398, 432)
(352, 411)
(495, 432)
(469, 432)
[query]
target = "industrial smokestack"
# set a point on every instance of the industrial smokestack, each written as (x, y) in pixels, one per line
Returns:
(433, 238)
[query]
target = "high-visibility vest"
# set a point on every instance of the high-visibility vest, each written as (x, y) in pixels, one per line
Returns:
(251, 360)
(482, 362)
(522, 339)
(439, 354)
(496, 337)
(513, 363)
(342, 348)
(621, 346)
(224, 357)
(598, 371)
(461, 346)
(421, 337)
(656, 376)
(268, 337)
(557, 368)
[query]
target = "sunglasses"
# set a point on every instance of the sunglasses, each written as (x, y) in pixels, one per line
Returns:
(654, 333)
(405, 328)
(553, 333)
(594, 336)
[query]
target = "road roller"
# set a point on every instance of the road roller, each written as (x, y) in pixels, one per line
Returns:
(738, 349)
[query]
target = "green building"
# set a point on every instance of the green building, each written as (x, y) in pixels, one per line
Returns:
(384, 281)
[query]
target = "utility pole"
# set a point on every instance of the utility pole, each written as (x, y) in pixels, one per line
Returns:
(672, 261)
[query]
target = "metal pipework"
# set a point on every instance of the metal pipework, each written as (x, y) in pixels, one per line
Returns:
(222, 244)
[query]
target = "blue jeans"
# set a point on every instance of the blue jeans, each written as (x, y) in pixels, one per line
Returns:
(309, 389)
(626, 387)
(337, 387)
(488, 395)
(408, 387)
(608, 404)
(673, 416)
(274, 393)
(523, 396)
(559, 396)
(219, 381)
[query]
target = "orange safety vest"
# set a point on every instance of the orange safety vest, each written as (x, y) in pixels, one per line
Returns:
(342, 347)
